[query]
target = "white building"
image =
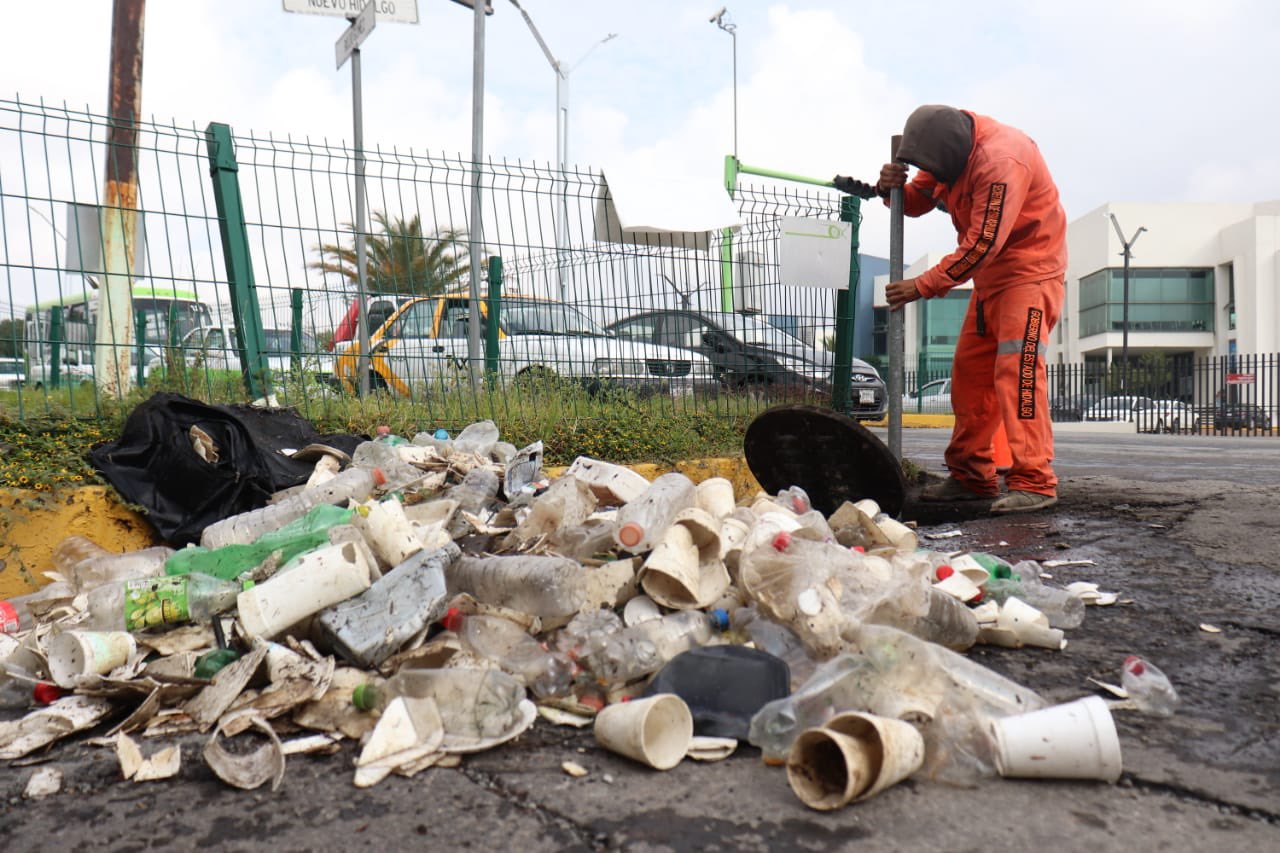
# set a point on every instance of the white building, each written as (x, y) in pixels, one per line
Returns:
(1203, 281)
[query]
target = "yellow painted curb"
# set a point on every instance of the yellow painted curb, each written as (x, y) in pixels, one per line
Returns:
(29, 535)
(918, 421)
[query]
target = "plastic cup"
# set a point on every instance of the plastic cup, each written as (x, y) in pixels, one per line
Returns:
(73, 654)
(896, 747)
(655, 731)
(670, 575)
(715, 495)
(902, 537)
(1072, 741)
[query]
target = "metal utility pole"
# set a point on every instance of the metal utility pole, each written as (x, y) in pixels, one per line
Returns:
(732, 29)
(560, 214)
(475, 351)
(1128, 254)
(114, 334)
(897, 342)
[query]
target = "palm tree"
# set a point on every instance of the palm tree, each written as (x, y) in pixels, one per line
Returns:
(400, 259)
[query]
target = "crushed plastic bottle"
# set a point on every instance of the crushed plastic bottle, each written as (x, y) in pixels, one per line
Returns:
(551, 588)
(475, 495)
(1064, 609)
(643, 521)
(567, 503)
(383, 453)
(645, 648)
(794, 499)
(1148, 687)
(472, 703)
(587, 632)
(502, 641)
(478, 438)
(73, 549)
(778, 640)
(352, 484)
(135, 605)
(232, 561)
(585, 541)
(522, 469)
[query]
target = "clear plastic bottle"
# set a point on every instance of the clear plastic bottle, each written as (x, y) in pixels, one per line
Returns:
(838, 685)
(948, 622)
(93, 572)
(587, 632)
(645, 648)
(135, 605)
(383, 453)
(1064, 609)
(794, 499)
(475, 494)
(352, 484)
(1148, 687)
(567, 503)
(778, 640)
(16, 693)
(550, 588)
(522, 469)
(71, 550)
(643, 521)
(502, 641)
(386, 436)
(478, 438)
(472, 703)
(592, 539)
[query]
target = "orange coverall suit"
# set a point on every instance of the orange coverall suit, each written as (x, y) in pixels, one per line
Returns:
(1012, 243)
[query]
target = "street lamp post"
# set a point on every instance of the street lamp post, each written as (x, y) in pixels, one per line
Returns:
(1128, 254)
(561, 214)
(725, 23)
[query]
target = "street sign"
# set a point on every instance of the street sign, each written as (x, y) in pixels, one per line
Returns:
(355, 34)
(1240, 378)
(400, 11)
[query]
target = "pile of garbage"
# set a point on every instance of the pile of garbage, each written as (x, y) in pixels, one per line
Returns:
(431, 598)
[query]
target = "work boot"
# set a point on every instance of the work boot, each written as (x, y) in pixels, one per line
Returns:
(950, 489)
(1018, 501)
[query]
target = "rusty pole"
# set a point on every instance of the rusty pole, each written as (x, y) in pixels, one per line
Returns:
(120, 200)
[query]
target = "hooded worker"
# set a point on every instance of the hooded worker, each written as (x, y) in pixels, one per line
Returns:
(995, 185)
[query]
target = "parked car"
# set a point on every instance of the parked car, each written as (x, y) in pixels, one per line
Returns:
(214, 347)
(1171, 416)
(1127, 409)
(1069, 408)
(425, 343)
(931, 398)
(13, 372)
(1246, 416)
(748, 353)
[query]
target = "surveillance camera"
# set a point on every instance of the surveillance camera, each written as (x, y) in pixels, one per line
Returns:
(718, 15)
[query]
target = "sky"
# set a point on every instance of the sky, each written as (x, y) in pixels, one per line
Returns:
(1130, 100)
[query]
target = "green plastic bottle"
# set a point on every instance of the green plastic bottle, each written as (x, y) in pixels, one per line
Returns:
(997, 568)
(231, 561)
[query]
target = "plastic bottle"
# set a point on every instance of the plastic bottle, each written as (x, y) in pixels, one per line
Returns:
(352, 484)
(551, 588)
(997, 568)
(585, 541)
(93, 572)
(645, 648)
(522, 469)
(794, 499)
(1148, 687)
(16, 688)
(474, 495)
(587, 632)
(643, 521)
(384, 453)
(508, 645)
(778, 640)
(231, 561)
(71, 550)
(472, 703)
(567, 503)
(1064, 609)
(385, 436)
(135, 605)
(948, 622)
(15, 614)
(477, 438)
(374, 625)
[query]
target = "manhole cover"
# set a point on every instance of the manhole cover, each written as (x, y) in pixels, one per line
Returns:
(829, 455)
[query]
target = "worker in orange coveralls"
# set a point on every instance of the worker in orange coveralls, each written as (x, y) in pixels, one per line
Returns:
(1012, 235)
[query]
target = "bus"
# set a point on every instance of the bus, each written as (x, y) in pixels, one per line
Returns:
(163, 307)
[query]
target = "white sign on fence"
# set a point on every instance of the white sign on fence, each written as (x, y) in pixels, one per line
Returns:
(814, 252)
(401, 11)
(355, 34)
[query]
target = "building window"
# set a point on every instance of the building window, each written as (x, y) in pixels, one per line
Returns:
(942, 322)
(1230, 272)
(1160, 300)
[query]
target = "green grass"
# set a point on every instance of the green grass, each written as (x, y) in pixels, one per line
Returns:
(44, 434)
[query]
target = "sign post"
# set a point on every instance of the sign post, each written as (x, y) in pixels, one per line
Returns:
(348, 47)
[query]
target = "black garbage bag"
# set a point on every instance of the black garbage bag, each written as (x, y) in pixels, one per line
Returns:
(723, 686)
(154, 465)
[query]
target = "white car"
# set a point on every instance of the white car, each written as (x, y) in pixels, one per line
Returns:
(13, 372)
(1171, 415)
(933, 398)
(214, 347)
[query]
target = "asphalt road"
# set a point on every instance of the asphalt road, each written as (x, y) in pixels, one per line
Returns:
(1143, 456)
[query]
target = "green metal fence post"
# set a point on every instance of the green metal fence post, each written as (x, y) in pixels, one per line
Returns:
(846, 302)
(140, 341)
(235, 252)
(295, 330)
(726, 242)
(56, 333)
(495, 314)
